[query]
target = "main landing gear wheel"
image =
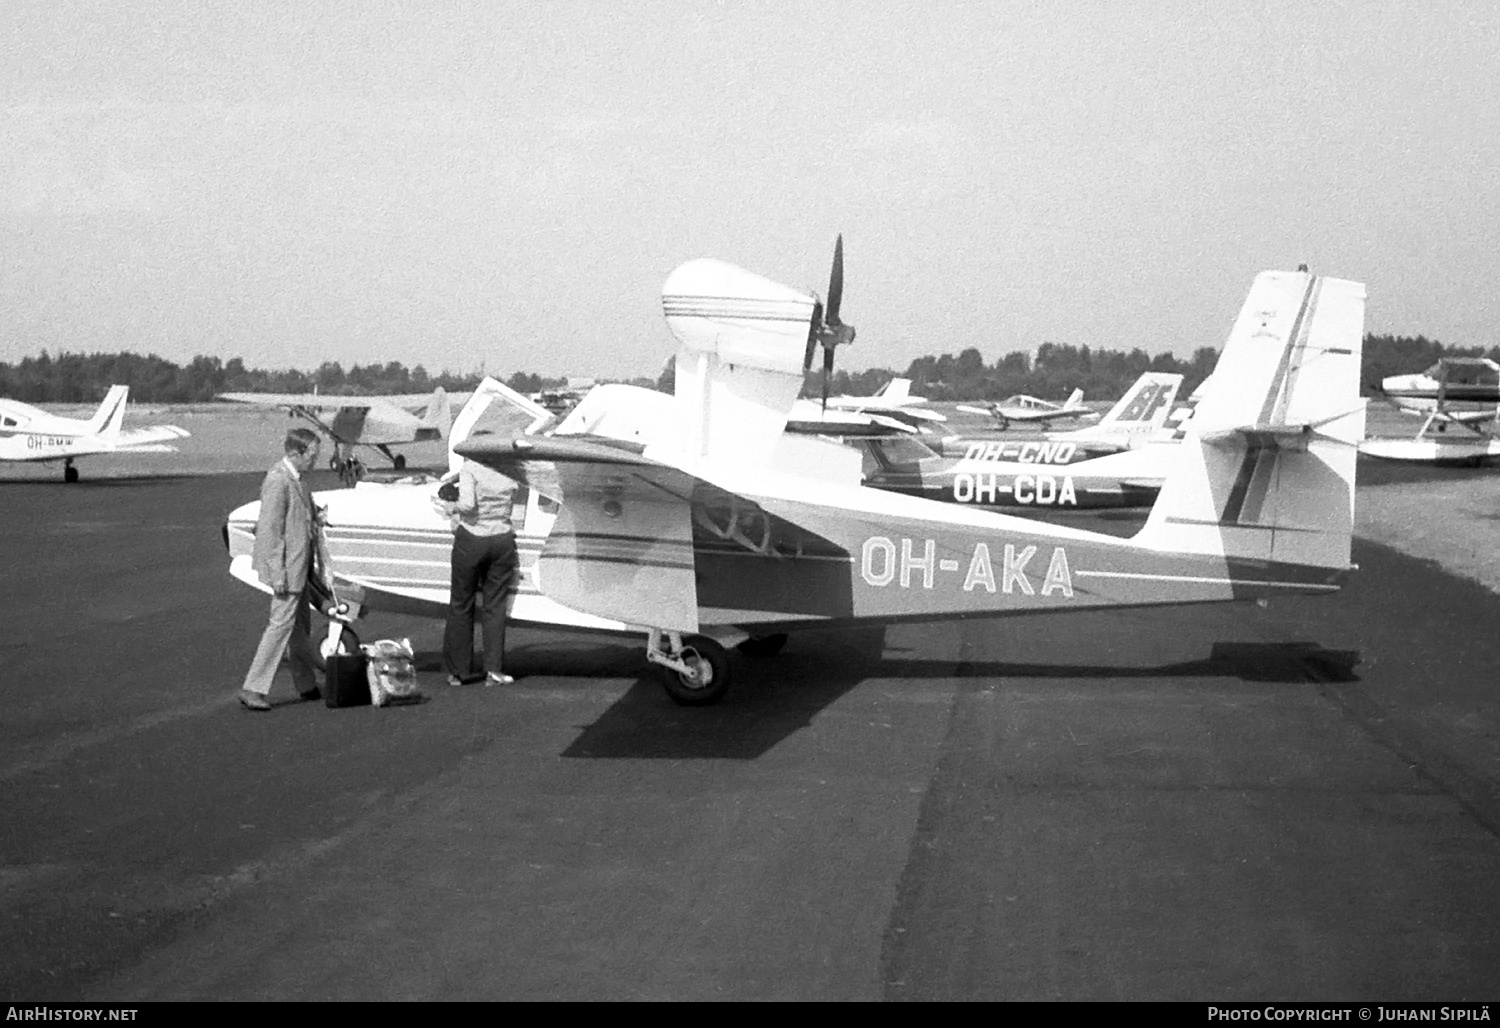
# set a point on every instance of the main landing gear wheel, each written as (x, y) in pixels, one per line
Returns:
(709, 680)
(399, 461)
(763, 645)
(70, 473)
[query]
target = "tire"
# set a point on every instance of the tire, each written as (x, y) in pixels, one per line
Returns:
(70, 474)
(400, 462)
(763, 645)
(712, 680)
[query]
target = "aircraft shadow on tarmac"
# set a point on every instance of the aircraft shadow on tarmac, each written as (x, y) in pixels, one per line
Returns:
(1249, 662)
(1374, 471)
(775, 698)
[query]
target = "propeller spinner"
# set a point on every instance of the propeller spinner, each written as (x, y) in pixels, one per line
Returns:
(826, 329)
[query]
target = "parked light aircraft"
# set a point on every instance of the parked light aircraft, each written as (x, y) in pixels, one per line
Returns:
(697, 520)
(1143, 415)
(349, 421)
(1026, 473)
(891, 409)
(1088, 468)
(1028, 410)
(561, 399)
(895, 393)
(1461, 391)
(30, 434)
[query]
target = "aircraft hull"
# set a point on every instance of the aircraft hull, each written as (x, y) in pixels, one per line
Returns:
(1031, 475)
(390, 551)
(883, 570)
(1020, 490)
(1457, 452)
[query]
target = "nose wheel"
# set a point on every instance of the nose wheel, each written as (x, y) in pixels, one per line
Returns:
(70, 473)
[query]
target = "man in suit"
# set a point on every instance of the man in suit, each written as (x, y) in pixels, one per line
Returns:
(285, 542)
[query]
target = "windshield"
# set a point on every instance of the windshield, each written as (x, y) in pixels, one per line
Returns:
(902, 449)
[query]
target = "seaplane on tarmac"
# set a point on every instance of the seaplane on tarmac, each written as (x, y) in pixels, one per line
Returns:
(1028, 410)
(30, 434)
(1461, 391)
(376, 421)
(697, 521)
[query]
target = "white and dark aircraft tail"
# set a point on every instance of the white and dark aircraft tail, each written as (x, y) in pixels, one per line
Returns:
(1145, 406)
(1074, 401)
(1266, 472)
(439, 413)
(111, 413)
(1143, 410)
(897, 390)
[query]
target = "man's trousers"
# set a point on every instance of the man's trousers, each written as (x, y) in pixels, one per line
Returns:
(289, 624)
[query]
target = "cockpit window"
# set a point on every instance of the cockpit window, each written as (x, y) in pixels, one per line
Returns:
(903, 450)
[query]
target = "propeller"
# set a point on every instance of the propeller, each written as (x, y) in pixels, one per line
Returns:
(826, 330)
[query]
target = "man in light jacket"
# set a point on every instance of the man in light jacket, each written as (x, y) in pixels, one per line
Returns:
(286, 538)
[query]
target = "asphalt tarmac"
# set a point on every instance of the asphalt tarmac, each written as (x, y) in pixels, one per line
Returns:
(1211, 803)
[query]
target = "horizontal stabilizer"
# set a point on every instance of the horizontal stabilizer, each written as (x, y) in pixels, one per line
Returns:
(1289, 436)
(155, 439)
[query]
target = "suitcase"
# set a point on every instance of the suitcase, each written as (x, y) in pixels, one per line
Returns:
(346, 683)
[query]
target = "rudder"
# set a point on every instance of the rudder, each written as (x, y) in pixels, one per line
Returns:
(1267, 470)
(111, 413)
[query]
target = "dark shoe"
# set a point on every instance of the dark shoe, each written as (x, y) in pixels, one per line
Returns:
(311, 694)
(253, 700)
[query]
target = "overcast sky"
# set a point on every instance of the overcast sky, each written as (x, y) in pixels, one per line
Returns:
(510, 183)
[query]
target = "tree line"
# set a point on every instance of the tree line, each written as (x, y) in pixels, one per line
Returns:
(1056, 369)
(1052, 372)
(85, 378)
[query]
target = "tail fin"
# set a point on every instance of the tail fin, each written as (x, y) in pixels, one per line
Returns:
(1074, 400)
(439, 413)
(1266, 472)
(1145, 406)
(896, 390)
(111, 413)
(1143, 409)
